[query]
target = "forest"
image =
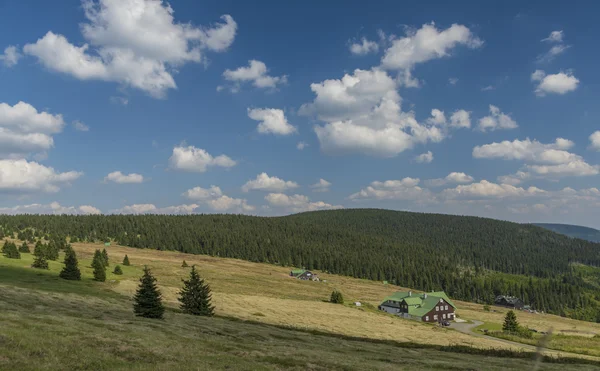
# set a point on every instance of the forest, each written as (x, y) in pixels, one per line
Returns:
(471, 258)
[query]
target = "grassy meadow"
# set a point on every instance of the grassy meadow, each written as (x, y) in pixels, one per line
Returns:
(265, 320)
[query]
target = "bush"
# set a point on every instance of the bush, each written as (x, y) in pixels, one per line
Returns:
(486, 308)
(184, 264)
(336, 297)
(126, 261)
(40, 262)
(118, 270)
(10, 250)
(24, 248)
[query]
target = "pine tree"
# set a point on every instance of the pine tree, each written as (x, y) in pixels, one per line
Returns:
(71, 269)
(184, 264)
(126, 261)
(51, 251)
(510, 323)
(148, 302)
(336, 297)
(195, 297)
(118, 270)
(24, 248)
(105, 257)
(40, 262)
(99, 268)
(10, 251)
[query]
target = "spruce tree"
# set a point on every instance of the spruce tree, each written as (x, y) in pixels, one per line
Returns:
(71, 269)
(336, 297)
(99, 268)
(184, 264)
(40, 262)
(24, 248)
(10, 251)
(118, 270)
(126, 261)
(195, 296)
(147, 299)
(510, 323)
(105, 257)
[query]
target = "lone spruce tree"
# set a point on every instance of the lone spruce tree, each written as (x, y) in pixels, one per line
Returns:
(195, 296)
(24, 248)
(126, 261)
(510, 323)
(99, 267)
(118, 270)
(336, 297)
(71, 269)
(105, 257)
(184, 264)
(147, 299)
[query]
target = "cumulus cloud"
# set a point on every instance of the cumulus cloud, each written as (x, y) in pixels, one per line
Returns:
(11, 56)
(555, 37)
(80, 126)
(559, 83)
(362, 113)
(22, 176)
(404, 189)
(264, 182)
(424, 158)
(256, 73)
(595, 141)
(485, 189)
(542, 160)
(152, 209)
(272, 121)
(496, 120)
(53, 208)
(453, 80)
(297, 203)
(321, 186)
(24, 130)
(452, 178)
(301, 145)
(136, 43)
(119, 177)
(192, 159)
(364, 47)
(216, 200)
(460, 119)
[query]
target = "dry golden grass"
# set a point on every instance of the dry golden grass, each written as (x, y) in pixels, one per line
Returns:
(266, 293)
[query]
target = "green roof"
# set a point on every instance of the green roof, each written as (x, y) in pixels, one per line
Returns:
(418, 304)
(297, 272)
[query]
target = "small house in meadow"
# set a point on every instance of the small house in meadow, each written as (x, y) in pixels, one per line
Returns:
(303, 274)
(509, 302)
(426, 307)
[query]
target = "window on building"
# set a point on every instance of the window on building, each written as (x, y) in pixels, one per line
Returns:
(435, 317)
(446, 307)
(444, 316)
(437, 309)
(426, 318)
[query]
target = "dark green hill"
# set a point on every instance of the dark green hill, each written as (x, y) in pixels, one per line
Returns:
(575, 231)
(471, 258)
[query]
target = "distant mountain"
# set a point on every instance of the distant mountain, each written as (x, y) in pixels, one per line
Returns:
(575, 231)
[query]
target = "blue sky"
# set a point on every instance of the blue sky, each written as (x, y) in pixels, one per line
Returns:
(143, 106)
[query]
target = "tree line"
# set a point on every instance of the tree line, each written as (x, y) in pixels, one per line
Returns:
(470, 258)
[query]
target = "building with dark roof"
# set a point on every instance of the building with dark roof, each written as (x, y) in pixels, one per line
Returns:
(426, 307)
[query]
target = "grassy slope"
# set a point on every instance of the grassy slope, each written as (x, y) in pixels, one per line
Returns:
(243, 290)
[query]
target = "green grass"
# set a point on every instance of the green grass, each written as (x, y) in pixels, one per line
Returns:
(567, 343)
(51, 324)
(489, 326)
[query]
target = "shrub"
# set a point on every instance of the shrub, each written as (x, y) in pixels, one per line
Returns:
(486, 308)
(10, 250)
(24, 248)
(184, 264)
(118, 270)
(126, 261)
(336, 297)
(40, 262)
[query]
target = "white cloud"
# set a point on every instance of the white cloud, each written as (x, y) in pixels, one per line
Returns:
(301, 145)
(11, 56)
(559, 83)
(554, 51)
(53, 208)
(406, 189)
(460, 119)
(453, 80)
(362, 114)
(485, 189)
(119, 100)
(297, 203)
(364, 47)
(24, 130)
(424, 158)
(264, 182)
(488, 88)
(197, 160)
(80, 126)
(575, 167)
(133, 42)
(216, 200)
(272, 121)
(452, 178)
(22, 176)
(152, 209)
(437, 117)
(496, 120)
(256, 72)
(119, 177)
(321, 186)
(555, 36)
(595, 141)
(425, 44)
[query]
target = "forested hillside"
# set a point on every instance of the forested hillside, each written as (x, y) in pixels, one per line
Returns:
(470, 258)
(575, 231)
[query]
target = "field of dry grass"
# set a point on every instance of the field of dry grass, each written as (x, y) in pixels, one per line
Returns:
(266, 293)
